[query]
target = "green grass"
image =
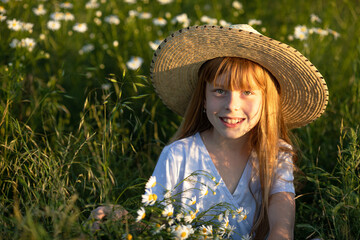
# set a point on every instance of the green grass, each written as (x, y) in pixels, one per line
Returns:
(79, 130)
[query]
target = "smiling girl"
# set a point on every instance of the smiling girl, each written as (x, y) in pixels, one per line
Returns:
(239, 93)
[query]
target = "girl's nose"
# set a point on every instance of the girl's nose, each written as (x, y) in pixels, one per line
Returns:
(233, 101)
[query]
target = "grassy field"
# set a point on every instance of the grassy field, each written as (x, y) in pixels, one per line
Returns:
(81, 126)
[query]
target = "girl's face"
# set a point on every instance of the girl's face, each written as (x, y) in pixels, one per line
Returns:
(232, 113)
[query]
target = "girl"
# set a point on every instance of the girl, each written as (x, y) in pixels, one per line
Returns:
(239, 93)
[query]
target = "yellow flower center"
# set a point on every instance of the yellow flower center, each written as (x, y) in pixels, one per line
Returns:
(245, 217)
(183, 234)
(129, 237)
(170, 214)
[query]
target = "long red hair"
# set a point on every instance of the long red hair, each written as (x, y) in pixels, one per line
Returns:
(265, 136)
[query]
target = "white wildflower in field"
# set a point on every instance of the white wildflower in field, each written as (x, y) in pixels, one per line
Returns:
(86, 48)
(168, 211)
(301, 32)
(133, 13)
(190, 217)
(112, 19)
(203, 191)
(314, 18)
(159, 21)
(57, 16)
(92, 4)
(27, 27)
(149, 198)
(183, 232)
(334, 33)
(28, 43)
(144, 15)
(2, 18)
(98, 13)
(69, 16)
(246, 237)
(154, 45)
(151, 182)
(230, 231)
(224, 23)
(179, 216)
(116, 43)
(14, 43)
(208, 20)
(159, 228)
(134, 63)
(237, 5)
(183, 19)
(130, 1)
(2, 10)
(242, 216)
(253, 22)
(140, 214)
(105, 86)
(40, 10)
(192, 201)
(66, 5)
(163, 2)
(80, 27)
(53, 25)
(97, 21)
(14, 24)
(206, 230)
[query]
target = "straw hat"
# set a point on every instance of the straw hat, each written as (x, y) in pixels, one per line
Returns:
(175, 65)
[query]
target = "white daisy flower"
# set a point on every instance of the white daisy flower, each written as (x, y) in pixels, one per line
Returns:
(159, 228)
(182, 232)
(66, 5)
(224, 23)
(237, 5)
(154, 45)
(151, 182)
(179, 216)
(183, 19)
(53, 25)
(208, 20)
(112, 19)
(242, 216)
(29, 43)
(230, 231)
(14, 24)
(149, 198)
(69, 16)
(159, 21)
(2, 18)
(246, 237)
(40, 10)
(334, 33)
(190, 217)
(2, 10)
(86, 48)
(80, 27)
(134, 63)
(27, 27)
(206, 230)
(133, 13)
(253, 22)
(14, 43)
(168, 211)
(221, 217)
(140, 214)
(57, 16)
(301, 32)
(163, 2)
(314, 18)
(92, 4)
(203, 191)
(145, 15)
(130, 1)
(192, 201)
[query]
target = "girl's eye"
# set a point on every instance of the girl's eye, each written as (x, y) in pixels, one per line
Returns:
(247, 93)
(220, 91)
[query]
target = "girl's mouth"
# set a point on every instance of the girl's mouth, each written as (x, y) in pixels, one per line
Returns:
(231, 122)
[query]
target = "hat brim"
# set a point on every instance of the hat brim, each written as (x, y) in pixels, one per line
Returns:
(175, 65)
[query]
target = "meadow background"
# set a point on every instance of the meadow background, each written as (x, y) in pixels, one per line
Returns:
(81, 126)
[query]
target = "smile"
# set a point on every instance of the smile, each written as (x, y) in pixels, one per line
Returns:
(231, 120)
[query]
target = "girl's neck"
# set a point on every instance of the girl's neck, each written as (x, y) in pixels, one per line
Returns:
(241, 145)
